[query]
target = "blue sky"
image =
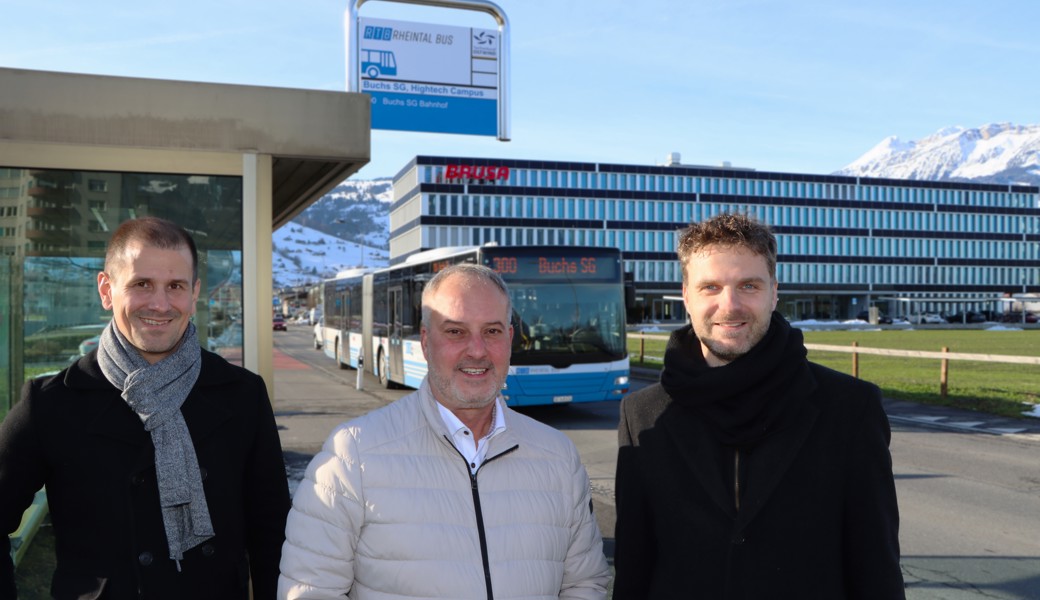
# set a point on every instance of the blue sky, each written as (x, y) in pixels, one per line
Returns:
(800, 86)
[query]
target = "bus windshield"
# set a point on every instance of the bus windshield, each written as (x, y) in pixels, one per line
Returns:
(560, 324)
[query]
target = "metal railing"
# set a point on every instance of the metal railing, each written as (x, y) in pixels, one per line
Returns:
(944, 356)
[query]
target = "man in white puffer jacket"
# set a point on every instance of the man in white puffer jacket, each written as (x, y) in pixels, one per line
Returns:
(447, 493)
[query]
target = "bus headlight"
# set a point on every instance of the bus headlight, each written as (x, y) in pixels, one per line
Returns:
(623, 380)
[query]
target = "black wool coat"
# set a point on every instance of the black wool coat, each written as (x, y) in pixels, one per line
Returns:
(817, 516)
(75, 434)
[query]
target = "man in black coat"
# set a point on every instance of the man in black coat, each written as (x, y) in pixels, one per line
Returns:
(161, 461)
(749, 472)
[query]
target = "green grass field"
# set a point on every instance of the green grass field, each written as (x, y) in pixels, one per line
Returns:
(996, 388)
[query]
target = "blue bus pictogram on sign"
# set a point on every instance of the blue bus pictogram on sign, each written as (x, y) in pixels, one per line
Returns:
(376, 63)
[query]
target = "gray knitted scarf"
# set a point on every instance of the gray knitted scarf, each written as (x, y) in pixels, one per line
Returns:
(156, 393)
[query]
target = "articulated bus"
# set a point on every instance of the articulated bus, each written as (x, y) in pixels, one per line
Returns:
(568, 320)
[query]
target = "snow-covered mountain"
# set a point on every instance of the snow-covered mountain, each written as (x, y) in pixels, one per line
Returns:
(1001, 153)
(304, 256)
(358, 211)
(348, 227)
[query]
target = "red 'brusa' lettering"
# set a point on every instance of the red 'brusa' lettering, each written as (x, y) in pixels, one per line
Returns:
(475, 172)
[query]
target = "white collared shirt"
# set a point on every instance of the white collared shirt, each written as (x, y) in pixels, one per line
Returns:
(474, 450)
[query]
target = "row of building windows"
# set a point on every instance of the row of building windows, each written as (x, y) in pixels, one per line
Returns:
(856, 274)
(831, 244)
(906, 247)
(751, 187)
(12, 191)
(687, 212)
(787, 244)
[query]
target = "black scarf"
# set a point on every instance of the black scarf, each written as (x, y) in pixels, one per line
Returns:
(748, 399)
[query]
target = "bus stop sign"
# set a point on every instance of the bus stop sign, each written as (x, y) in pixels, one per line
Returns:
(430, 77)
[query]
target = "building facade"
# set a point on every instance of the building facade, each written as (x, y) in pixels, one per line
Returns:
(845, 243)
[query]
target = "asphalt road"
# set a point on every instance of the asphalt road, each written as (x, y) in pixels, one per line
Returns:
(969, 504)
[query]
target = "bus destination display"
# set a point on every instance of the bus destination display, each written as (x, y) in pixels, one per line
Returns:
(528, 266)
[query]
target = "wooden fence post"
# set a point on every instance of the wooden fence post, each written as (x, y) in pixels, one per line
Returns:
(642, 348)
(944, 374)
(855, 361)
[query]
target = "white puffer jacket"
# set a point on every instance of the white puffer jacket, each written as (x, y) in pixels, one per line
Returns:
(387, 510)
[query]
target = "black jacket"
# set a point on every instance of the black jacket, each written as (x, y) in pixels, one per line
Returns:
(817, 517)
(75, 434)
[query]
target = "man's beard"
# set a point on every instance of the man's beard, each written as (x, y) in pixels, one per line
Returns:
(727, 353)
(445, 384)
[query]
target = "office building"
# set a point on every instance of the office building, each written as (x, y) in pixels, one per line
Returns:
(845, 243)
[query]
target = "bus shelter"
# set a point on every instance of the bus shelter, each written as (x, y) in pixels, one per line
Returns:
(81, 153)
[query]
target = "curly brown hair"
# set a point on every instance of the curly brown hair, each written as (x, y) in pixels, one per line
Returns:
(728, 229)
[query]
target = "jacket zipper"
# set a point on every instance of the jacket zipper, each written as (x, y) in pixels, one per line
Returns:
(480, 513)
(736, 478)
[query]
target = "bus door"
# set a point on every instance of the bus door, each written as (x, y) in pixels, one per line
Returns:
(395, 363)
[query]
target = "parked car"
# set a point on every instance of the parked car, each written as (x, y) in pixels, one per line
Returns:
(927, 319)
(1016, 317)
(319, 333)
(279, 323)
(968, 317)
(882, 319)
(89, 344)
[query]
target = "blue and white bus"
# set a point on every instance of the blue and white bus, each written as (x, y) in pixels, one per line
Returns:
(340, 327)
(568, 320)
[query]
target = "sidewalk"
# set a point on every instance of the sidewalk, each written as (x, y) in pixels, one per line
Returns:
(309, 403)
(953, 419)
